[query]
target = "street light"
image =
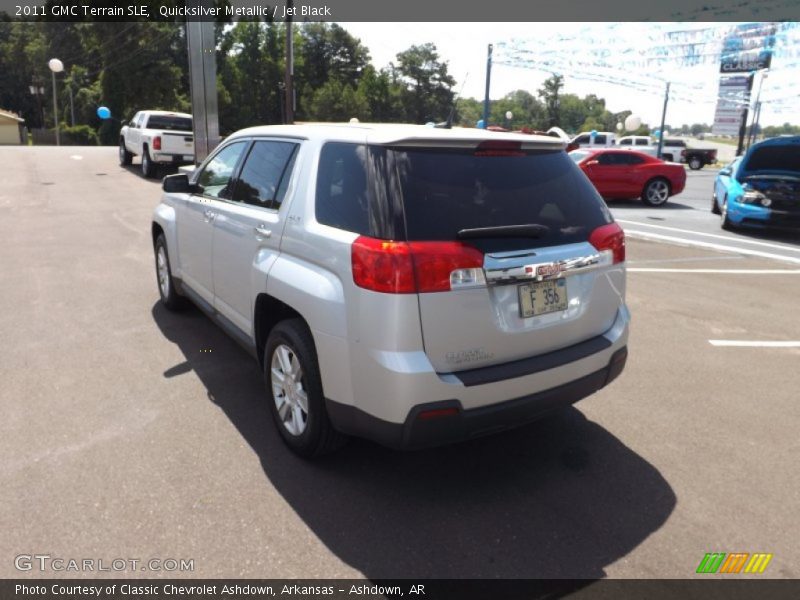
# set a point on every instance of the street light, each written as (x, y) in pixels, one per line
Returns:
(56, 66)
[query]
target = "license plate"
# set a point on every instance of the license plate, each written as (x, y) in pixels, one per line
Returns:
(542, 297)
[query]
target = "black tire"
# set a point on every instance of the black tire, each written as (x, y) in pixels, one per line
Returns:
(656, 192)
(148, 166)
(317, 436)
(695, 164)
(125, 157)
(170, 297)
(725, 222)
(714, 206)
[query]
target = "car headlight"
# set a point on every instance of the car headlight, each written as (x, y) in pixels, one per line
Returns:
(754, 197)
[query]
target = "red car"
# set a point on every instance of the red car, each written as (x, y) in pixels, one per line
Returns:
(631, 174)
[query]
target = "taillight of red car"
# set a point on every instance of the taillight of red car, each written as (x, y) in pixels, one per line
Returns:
(611, 239)
(414, 267)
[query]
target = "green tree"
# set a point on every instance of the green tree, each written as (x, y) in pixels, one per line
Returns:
(336, 101)
(425, 85)
(550, 93)
(327, 52)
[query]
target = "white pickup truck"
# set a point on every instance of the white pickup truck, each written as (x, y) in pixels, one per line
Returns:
(159, 137)
(671, 150)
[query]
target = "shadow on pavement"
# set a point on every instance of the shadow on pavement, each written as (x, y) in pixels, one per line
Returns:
(636, 203)
(562, 497)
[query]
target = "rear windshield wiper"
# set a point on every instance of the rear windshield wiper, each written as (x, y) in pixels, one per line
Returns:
(532, 230)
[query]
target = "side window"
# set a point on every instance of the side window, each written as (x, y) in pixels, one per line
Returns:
(607, 159)
(215, 178)
(626, 142)
(133, 121)
(341, 199)
(642, 142)
(600, 139)
(140, 121)
(265, 174)
(629, 159)
(582, 139)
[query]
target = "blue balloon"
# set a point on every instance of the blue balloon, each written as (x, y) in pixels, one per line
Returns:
(480, 124)
(103, 112)
(593, 133)
(657, 132)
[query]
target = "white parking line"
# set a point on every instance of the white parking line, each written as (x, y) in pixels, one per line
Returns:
(754, 344)
(687, 242)
(714, 235)
(731, 271)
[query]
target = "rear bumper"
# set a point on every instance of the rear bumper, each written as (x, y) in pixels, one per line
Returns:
(176, 159)
(445, 422)
(391, 392)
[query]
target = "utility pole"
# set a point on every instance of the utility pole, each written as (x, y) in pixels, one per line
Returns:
(743, 125)
(71, 104)
(289, 83)
(663, 120)
(756, 109)
(488, 80)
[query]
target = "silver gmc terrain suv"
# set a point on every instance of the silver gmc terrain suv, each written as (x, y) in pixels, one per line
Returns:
(411, 285)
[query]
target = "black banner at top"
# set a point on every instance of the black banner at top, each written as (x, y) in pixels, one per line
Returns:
(401, 11)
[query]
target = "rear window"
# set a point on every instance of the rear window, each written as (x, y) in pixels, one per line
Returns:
(447, 190)
(169, 123)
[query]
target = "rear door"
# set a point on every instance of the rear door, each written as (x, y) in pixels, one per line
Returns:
(247, 229)
(538, 291)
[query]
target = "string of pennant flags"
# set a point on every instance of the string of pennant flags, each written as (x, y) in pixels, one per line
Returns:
(618, 54)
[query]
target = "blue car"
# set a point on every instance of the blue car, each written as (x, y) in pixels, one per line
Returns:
(762, 187)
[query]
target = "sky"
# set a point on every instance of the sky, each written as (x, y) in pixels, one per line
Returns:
(615, 61)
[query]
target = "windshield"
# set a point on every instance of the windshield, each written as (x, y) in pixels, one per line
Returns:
(169, 123)
(448, 190)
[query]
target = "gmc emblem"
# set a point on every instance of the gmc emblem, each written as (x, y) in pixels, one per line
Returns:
(545, 270)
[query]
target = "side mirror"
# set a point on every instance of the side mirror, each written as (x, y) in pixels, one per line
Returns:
(177, 184)
(725, 171)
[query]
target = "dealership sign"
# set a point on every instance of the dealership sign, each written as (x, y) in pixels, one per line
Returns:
(746, 49)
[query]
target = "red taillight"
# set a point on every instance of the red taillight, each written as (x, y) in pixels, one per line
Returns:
(157, 143)
(437, 413)
(499, 148)
(609, 237)
(410, 267)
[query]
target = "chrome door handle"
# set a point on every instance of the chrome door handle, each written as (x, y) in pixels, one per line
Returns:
(209, 214)
(262, 231)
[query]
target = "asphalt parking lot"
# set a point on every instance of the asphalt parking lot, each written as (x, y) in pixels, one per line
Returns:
(130, 432)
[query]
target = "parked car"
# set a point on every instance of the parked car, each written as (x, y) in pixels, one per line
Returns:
(411, 285)
(159, 137)
(762, 187)
(631, 174)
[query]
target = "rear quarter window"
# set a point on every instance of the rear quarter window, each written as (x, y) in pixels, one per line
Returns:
(341, 198)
